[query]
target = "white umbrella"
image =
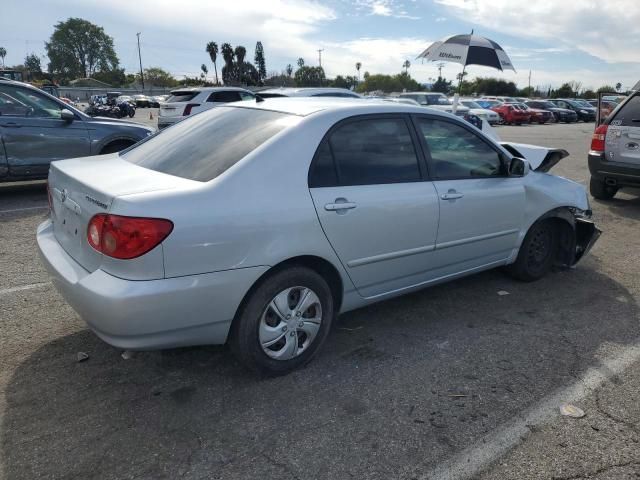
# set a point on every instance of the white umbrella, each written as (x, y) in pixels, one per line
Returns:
(468, 50)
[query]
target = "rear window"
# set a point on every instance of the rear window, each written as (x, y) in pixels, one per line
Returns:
(182, 96)
(204, 146)
(629, 114)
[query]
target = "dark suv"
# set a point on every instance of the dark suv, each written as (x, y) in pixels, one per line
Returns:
(37, 128)
(614, 157)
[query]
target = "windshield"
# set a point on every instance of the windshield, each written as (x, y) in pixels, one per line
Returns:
(437, 100)
(206, 145)
(182, 96)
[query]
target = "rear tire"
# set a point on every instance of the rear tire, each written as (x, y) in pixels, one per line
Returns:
(265, 340)
(537, 252)
(601, 190)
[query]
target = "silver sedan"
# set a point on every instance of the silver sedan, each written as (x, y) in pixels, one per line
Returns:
(257, 224)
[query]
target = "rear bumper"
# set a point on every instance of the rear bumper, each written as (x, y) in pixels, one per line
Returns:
(618, 173)
(152, 314)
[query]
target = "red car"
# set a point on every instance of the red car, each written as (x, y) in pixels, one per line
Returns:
(510, 113)
(538, 115)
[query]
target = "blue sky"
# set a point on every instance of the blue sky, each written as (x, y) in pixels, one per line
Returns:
(558, 41)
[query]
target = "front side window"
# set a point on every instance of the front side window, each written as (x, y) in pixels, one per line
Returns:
(457, 153)
(367, 152)
(246, 96)
(23, 102)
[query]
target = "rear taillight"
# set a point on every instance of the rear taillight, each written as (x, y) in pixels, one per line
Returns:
(188, 107)
(599, 136)
(126, 237)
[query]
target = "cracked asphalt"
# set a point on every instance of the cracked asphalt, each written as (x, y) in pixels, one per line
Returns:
(400, 389)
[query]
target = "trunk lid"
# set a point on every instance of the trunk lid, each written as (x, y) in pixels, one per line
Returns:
(82, 187)
(622, 143)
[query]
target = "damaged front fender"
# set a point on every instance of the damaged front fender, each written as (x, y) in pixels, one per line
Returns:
(587, 235)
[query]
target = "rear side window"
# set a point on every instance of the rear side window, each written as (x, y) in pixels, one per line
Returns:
(182, 96)
(204, 146)
(366, 152)
(629, 113)
(224, 97)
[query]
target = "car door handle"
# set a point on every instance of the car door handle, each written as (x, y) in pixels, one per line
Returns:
(12, 125)
(344, 205)
(451, 195)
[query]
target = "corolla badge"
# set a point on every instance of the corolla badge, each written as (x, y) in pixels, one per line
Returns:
(63, 195)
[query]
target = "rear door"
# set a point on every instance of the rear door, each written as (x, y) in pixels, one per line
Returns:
(375, 206)
(34, 133)
(622, 142)
(481, 208)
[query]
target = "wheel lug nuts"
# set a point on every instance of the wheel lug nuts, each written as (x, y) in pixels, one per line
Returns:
(293, 334)
(300, 325)
(298, 314)
(284, 329)
(288, 316)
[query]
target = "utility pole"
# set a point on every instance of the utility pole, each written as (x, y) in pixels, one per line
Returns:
(320, 50)
(140, 58)
(440, 67)
(529, 82)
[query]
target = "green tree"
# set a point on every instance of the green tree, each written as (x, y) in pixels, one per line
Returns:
(228, 56)
(240, 52)
(406, 66)
(204, 70)
(344, 82)
(3, 53)
(564, 91)
(158, 77)
(388, 83)
(606, 89)
(309, 77)
(289, 69)
(212, 50)
(441, 85)
(32, 63)
(260, 64)
(358, 67)
(78, 48)
(618, 86)
(494, 86)
(300, 62)
(114, 77)
(589, 94)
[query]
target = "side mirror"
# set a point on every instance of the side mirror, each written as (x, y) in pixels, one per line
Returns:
(67, 115)
(518, 167)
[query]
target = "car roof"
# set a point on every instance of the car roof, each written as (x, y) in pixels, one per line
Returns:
(304, 91)
(209, 89)
(304, 106)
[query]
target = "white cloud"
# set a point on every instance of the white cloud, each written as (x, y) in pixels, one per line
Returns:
(441, 19)
(607, 30)
(384, 8)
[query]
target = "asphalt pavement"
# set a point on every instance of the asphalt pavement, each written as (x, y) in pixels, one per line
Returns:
(456, 381)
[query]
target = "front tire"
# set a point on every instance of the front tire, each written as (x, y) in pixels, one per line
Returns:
(537, 252)
(601, 190)
(284, 322)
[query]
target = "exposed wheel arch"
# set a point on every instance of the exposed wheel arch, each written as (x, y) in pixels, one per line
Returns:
(320, 265)
(565, 222)
(116, 145)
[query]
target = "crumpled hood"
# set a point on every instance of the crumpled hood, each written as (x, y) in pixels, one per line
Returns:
(541, 159)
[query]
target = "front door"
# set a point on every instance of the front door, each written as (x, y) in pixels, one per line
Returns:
(376, 210)
(481, 207)
(34, 133)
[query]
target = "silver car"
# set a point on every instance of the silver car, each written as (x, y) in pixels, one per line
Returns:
(37, 128)
(257, 223)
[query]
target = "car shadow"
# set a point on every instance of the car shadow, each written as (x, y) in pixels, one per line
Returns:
(625, 204)
(399, 386)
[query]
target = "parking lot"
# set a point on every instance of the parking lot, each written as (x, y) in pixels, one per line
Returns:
(463, 380)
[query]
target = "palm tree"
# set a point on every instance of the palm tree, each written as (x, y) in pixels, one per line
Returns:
(212, 50)
(406, 66)
(289, 70)
(358, 67)
(205, 70)
(301, 62)
(3, 53)
(227, 56)
(241, 52)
